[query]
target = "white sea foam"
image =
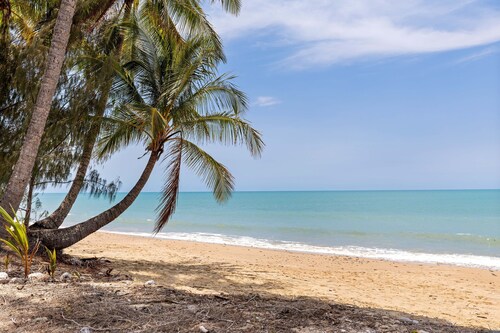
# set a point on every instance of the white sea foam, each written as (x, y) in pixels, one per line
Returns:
(466, 260)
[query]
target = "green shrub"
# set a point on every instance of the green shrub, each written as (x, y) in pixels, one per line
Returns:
(52, 261)
(19, 242)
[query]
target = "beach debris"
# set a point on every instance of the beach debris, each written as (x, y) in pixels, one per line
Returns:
(305, 330)
(40, 320)
(121, 277)
(149, 283)
(38, 277)
(192, 308)
(141, 306)
(4, 276)
(65, 276)
(99, 305)
(16, 280)
(408, 321)
(84, 262)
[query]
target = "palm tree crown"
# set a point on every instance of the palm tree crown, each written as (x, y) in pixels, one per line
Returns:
(170, 97)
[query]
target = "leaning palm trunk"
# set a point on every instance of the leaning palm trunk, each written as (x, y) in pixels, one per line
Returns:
(63, 238)
(56, 219)
(24, 166)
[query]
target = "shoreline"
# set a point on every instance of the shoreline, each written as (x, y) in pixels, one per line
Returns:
(386, 254)
(461, 295)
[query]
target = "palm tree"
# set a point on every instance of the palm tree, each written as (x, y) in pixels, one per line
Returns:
(99, 51)
(90, 14)
(171, 99)
(23, 168)
(29, 25)
(180, 18)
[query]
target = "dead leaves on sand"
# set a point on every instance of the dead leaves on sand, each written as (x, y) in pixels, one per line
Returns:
(125, 307)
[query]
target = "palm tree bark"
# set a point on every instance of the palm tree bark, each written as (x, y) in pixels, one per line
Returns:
(24, 166)
(29, 201)
(62, 238)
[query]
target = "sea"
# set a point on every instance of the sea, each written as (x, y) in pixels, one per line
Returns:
(457, 227)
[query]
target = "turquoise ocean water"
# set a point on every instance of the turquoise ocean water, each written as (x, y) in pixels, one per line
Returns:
(459, 227)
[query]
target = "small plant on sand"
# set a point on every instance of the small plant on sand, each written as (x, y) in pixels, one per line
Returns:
(19, 242)
(52, 261)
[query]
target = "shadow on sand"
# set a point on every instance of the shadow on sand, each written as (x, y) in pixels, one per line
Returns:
(107, 303)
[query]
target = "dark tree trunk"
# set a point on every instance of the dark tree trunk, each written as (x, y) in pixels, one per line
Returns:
(62, 238)
(29, 201)
(24, 166)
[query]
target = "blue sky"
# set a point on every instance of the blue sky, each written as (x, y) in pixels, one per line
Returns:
(371, 94)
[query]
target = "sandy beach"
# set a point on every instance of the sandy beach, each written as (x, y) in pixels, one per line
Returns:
(460, 295)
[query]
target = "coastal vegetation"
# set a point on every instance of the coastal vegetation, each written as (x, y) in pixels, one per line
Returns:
(52, 266)
(81, 80)
(18, 241)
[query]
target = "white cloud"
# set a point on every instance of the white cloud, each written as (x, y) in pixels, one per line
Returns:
(323, 32)
(264, 101)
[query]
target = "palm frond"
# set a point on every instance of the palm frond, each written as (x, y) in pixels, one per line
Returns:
(183, 20)
(215, 175)
(224, 128)
(124, 87)
(168, 201)
(119, 132)
(231, 6)
(217, 93)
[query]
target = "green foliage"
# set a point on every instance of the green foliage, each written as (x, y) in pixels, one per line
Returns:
(96, 186)
(19, 241)
(36, 210)
(170, 97)
(52, 261)
(87, 67)
(73, 105)
(159, 58)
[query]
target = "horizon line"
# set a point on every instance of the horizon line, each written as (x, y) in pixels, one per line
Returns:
(338, 190)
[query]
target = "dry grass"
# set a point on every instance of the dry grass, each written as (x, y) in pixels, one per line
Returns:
(105, 302)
